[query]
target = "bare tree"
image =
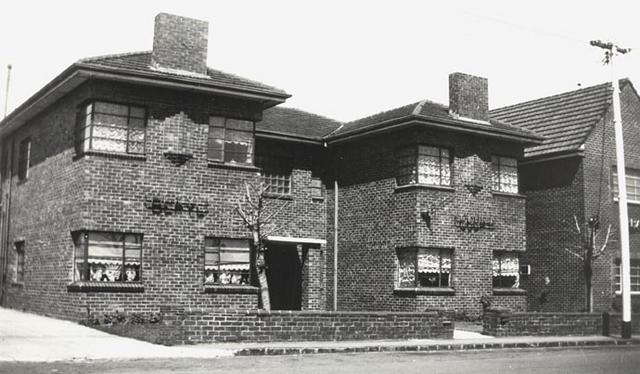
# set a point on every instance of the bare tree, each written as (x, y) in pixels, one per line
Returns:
(588, 251)
(260, 223)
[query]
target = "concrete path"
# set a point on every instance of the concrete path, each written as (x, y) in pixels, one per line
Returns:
(30, 337)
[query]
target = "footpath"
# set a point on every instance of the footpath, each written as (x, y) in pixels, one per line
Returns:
(26, 337)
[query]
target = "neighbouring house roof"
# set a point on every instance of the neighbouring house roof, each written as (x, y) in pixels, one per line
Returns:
(433, 115)
(565, 120)
(138, 68)
(290, 122)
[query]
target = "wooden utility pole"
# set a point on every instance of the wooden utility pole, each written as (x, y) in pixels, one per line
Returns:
(612, 50)
(6, 96)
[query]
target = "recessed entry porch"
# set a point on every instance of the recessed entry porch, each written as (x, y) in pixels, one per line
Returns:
(294, 273)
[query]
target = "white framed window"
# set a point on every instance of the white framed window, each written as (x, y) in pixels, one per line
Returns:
(635, 276)
(632, 178)
(504, 172)
(424, 164)
(505, 267)
(231, 140)
(226, 261)
(111, 127)
(423, 267)
(108, 256)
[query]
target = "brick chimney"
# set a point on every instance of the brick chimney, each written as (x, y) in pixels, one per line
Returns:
(468, 96)
(180, 43)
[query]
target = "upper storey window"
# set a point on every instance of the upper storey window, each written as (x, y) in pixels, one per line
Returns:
(424, 165)
(230, 141)
(633, 185)
(110, 127)
(504, 174)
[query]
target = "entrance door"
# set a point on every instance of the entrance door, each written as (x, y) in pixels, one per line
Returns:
(284, 274)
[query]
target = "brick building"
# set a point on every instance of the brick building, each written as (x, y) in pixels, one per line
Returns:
(120, 180)
(572, 174)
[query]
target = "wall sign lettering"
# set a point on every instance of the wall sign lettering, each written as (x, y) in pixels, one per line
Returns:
(179, 205)
(473, 223)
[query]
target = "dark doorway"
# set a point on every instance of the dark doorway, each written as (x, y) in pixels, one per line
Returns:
(284, 274)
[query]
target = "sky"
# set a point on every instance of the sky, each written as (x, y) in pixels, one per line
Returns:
(341, 59)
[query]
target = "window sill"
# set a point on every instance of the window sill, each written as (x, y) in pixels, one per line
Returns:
(408, 187)
(123, 156)
(317, 198)
(632, 202)
(435, 291)
(227, 289)
(278, 196)
(509, 291)
(223, 165)
(508, 194)
(88, 286)
(633, 293)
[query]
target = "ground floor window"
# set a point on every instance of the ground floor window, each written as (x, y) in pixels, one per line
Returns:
(108, 257)
(226, 261)
(19, 261)
(506, 270)
(635, 276)
(424, 267)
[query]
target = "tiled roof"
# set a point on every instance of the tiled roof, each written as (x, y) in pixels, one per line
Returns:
(290, 121)
(565, 120)
(141, 62)
(424, 110)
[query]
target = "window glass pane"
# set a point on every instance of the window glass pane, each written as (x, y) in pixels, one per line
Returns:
(137, 112)
(506, 270)
(216, 121)
(406, 268)
(105, 119)
(137, 123)
(429, 151)
(110, 108)
(226, 261)
(216, 143)
(237, 152)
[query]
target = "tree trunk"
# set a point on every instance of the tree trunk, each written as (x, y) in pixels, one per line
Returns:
(261, 270)
(588, 272)
(264, 289)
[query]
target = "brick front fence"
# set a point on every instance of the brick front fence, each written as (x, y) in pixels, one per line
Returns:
(207, 325)
(503, 322)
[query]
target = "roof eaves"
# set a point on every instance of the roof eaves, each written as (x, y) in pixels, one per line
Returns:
(448, 124)
(269, 134)
(197, 83)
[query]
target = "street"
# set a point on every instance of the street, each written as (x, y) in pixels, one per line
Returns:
(583, 360)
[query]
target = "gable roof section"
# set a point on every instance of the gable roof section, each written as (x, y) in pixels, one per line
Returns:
(432, 114)
(295, 123)
(565, 120)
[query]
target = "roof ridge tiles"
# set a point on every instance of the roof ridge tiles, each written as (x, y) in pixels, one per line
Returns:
(552, 97)
(113, 55)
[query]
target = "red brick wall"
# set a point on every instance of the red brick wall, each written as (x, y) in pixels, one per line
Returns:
(202, 326)
(97, 192)
(375, 219)
(497, 322)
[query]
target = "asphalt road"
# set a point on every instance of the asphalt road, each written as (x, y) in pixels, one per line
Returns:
(584, 361)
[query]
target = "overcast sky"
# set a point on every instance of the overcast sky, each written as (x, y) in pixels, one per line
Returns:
(342, 59)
